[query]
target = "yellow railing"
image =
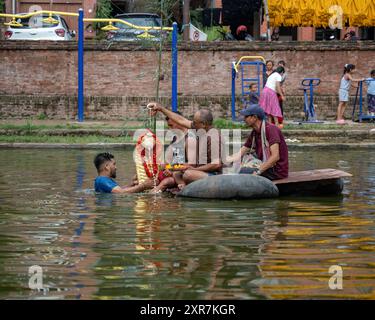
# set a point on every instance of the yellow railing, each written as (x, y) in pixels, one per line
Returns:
(108, 27)
(235, 65)
(126, 23)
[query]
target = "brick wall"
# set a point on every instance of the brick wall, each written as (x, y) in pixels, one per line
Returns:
(122, 108)
(41, 70)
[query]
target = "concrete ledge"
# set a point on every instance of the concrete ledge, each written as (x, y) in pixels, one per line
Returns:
(130, 146)
(331, 146)
(348, 135)
(103, 45)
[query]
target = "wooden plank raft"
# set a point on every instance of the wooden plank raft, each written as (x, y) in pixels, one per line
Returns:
(312, 182)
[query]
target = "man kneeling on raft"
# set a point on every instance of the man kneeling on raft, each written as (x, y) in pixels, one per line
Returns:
(203, 146)
(268, 142)
(106, 166)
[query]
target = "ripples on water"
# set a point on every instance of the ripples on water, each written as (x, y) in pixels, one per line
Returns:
(146, 247)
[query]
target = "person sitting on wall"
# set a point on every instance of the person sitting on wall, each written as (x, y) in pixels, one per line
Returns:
(347, 36)
(275, 34)
(242, 34)
(268, 143)
(204, 152)
(353, 36)
(106, 166)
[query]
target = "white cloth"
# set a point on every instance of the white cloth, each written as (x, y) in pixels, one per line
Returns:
(272, 80)
(196, 35)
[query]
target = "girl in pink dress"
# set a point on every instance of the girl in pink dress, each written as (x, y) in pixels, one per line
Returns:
(268, 98)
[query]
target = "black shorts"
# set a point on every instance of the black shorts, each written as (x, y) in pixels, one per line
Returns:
(269, 174)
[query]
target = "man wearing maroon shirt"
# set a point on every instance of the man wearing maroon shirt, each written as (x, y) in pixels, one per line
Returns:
(266, 138)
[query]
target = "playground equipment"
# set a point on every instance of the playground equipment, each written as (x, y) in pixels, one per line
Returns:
(359, 98)
(242, 68)
(308, 100)
(109, 27)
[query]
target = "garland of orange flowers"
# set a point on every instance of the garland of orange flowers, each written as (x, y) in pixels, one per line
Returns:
(153, 165)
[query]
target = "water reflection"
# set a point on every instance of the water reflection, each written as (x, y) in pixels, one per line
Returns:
(161, 247)
(297, 255)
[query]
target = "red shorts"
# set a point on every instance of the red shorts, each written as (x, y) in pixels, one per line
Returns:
(162, 175)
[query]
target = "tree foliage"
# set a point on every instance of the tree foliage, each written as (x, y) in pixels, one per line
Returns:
(2, 6)
(165, 10)
(103, 10)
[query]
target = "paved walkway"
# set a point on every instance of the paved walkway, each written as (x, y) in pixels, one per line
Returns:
(134, 124)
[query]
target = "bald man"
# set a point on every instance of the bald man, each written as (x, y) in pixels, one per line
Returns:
(204, 146)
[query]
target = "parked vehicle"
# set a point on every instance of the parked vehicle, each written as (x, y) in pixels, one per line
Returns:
(127, 33)
(37, 28)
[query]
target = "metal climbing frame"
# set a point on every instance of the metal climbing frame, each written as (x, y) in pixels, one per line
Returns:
(309, 84)
(359, 98)
(243, 68)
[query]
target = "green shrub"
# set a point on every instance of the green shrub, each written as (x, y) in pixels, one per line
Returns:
(2, 6)
(42, 116)
(163, 8)
(103, 11)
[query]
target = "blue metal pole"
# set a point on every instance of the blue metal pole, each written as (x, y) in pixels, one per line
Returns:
(305, 103)
(258, 76)
(264, 75)
(355, 103)
(312, 113)
(233, 93)
(80, 65)
(174, 66)
(360, 100)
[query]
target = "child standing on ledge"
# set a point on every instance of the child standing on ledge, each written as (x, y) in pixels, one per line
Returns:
(253, 97)
(344, 89)
(371, 94)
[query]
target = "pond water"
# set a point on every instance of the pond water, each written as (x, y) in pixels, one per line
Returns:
(160, 247)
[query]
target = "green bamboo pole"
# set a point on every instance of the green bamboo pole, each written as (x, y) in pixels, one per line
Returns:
(158, 73)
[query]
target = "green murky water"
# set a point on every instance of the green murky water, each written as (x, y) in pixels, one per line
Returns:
(159, 247)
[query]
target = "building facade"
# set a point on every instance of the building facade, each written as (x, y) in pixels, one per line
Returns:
(228, 15)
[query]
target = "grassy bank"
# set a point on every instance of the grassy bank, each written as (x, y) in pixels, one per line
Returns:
(64, 139)
(29, 126)
(228, 124)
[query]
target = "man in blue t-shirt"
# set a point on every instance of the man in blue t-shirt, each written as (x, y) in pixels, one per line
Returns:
(106, 166)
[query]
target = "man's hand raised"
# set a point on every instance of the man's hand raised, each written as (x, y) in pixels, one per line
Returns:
(154, 107)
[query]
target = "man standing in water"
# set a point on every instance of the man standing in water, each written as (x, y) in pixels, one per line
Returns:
(106, 166)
